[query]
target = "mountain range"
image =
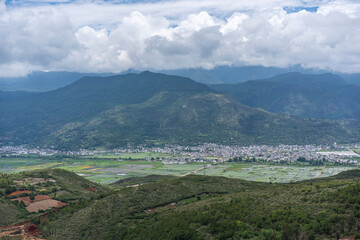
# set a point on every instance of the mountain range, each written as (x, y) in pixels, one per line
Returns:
(150, 108)
(324, 96)
(46, 81)
(40, 81)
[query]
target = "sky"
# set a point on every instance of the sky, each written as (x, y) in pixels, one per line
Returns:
(114, 36)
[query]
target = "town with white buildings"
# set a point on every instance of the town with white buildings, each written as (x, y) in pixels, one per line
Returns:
(215, 153)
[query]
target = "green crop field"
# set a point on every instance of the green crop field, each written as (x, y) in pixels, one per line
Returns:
(276, 173)
(109, 169)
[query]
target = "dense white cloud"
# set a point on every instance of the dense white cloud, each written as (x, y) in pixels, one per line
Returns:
(30, 40)
(91, 36)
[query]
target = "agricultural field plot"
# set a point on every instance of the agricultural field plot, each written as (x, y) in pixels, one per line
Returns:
(101, 171)
(107, 171)
(329, 171)
(174, 169)
(143, 156)
(110, 174)
(281, 174)
(13, 165)
(213, 170)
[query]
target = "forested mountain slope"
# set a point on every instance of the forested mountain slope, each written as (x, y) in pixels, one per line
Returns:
(149, 108)
(324, 96)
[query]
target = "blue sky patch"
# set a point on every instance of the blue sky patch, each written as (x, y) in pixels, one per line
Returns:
(300, 8)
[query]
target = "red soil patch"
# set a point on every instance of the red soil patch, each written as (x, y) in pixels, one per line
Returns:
(27, 200)
(17, 225)
(24, 231)
(42, 197)
(18, 193)
(45, 205)
(92, 189)
(41, 202)
(32, 229)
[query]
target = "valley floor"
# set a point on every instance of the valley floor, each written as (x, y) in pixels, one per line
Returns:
(106, 170)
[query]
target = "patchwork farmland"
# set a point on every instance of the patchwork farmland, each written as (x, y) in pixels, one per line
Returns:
(108, 169)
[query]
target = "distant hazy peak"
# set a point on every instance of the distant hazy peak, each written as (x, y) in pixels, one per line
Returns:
(298, 78)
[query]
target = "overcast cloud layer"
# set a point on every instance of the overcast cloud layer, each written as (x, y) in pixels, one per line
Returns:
(93, 36)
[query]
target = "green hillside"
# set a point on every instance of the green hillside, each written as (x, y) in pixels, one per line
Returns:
(58, 184)
(199, 207)
(10, 213)
(324, 96)
(151, 108)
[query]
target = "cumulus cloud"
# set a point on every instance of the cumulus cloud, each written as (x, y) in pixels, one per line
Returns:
(34, 39)
(168, 35)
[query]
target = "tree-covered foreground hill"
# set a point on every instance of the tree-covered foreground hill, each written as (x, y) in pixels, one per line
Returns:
(149, 108)
(201, 207)
(62, 185)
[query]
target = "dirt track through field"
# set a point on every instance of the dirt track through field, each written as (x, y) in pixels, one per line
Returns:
(194, 171)
(322, 171)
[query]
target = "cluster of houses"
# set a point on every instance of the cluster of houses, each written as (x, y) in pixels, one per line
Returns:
(214, 153)
(211, 152)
